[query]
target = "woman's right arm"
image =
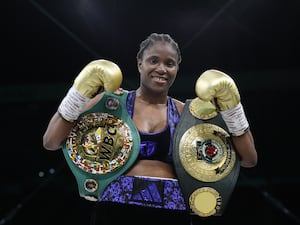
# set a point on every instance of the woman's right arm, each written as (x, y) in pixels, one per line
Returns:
(56, 132)
(97, 75)
(58, 128)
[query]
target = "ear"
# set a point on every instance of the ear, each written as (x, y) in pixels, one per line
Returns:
(139, 64)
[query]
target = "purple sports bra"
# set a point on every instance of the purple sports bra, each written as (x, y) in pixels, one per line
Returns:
(157, 146)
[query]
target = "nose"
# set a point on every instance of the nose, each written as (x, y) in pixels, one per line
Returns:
(161, 68)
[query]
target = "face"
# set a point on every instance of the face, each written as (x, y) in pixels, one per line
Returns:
(158, 67)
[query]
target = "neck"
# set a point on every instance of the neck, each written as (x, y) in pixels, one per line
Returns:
(151, 98)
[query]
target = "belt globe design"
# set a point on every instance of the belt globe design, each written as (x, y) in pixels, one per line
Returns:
(100, 143)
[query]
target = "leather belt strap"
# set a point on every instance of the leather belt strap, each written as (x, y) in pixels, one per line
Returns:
(205, 162)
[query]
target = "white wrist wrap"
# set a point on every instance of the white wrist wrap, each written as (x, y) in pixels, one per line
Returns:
(72, 105)
(236, 120)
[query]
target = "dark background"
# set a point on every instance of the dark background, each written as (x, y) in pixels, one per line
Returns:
(255, 41)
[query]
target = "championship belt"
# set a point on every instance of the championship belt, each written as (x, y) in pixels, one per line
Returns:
(102, 145)
(205, 161)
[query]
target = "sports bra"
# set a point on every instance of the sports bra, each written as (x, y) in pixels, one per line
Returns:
(154, 145)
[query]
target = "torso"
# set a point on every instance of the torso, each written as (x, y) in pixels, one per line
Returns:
(151, 168)
(146, 119)
(151, 119)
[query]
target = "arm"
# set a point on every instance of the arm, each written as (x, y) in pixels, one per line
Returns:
(97, 75)
(57, 131)
(245, 147)
(218, 88)
(58, 128)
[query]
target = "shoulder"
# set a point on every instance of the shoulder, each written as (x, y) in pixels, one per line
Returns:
(179, 104)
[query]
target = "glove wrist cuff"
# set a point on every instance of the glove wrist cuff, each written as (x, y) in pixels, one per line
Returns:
(72, 105)
(236, 120)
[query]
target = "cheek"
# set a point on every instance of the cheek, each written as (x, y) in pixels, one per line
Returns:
(146, 69)
(173, 73)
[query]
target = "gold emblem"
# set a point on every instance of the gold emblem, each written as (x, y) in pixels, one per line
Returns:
(206, 153)
(99, 143)
(205, 201)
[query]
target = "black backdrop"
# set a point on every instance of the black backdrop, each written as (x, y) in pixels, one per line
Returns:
(256, 42)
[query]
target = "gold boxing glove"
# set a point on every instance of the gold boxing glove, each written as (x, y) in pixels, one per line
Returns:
(218, 88)
(96, 76)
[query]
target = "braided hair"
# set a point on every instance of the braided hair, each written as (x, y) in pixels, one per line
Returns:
(155, 37)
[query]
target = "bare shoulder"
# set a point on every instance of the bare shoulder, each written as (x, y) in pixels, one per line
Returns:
(179, 104)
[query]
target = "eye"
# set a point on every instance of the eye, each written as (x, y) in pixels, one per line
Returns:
(170, 63)
(153, 60)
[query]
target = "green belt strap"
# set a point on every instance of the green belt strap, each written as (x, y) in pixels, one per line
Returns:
(90, 179)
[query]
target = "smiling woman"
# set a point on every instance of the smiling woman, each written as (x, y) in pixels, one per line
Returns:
(147, 184)
(55, 39)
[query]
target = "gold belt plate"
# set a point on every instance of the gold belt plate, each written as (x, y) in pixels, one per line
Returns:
(100, 143)
(206, 153)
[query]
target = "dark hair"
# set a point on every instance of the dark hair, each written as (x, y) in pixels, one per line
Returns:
(155, 37)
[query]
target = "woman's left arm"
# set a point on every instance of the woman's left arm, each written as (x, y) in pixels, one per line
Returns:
(245, 147)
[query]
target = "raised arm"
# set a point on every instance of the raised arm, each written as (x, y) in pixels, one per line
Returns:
(218, 88)
(95, 77)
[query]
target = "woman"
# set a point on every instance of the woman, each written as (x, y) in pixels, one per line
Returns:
(152, 111)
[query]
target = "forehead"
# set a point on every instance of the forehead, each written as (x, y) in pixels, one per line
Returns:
(162, 49)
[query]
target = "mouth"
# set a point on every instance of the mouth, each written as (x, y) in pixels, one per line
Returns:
(160, 79)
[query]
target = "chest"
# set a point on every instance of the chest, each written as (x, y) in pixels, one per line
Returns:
(150, 118)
